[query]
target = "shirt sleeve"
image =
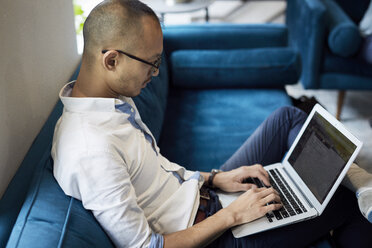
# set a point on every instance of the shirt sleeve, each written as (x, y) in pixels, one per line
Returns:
(157, 241)
(183, 173)
(105, 188)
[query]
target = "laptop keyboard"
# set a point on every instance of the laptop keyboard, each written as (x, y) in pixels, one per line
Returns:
(291, 204)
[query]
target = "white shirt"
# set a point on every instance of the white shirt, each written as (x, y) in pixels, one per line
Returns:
(365, 24)
(117, 171)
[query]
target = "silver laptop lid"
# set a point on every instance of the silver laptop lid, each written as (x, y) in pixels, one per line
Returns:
(320, 156)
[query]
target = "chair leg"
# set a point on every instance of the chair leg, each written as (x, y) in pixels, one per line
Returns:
(340, 102)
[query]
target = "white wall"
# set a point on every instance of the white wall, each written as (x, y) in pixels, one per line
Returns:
(37, 57)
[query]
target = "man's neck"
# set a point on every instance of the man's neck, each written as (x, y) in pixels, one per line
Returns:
(89, 84)
(76, 92)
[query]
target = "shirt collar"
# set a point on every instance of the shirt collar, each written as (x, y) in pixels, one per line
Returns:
(88, 104)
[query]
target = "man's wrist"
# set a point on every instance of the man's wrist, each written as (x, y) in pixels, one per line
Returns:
(228, 217)
(211, 177)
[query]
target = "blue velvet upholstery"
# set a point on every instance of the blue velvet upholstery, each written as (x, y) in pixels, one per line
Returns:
(344, 38)
(309, 30)
(306, 23)
(351, 66)
(201, 129)
(13, 198)
(224, 36)
(152, 101)
(67, 225)
(246, 68)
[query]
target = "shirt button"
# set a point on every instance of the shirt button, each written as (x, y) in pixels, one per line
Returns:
(131, 109)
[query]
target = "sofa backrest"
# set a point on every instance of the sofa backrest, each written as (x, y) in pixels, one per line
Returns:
(25, 208)
(236, 68)
(13, 199)
(49, 218)
(230, 56)
(224, 36)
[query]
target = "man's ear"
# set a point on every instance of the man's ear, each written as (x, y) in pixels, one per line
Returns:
(110, 60)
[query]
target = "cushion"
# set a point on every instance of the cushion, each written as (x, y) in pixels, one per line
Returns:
(345, 81)
(152, 101)
(354, 66)
(49, 218)
(344, 38)
(238, 68)
(203, 128)
(224, 36)
(14, 196)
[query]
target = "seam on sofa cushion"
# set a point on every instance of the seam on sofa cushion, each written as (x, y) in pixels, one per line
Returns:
(206, 64)
(63, 234)
(239, 67)
(35, 193)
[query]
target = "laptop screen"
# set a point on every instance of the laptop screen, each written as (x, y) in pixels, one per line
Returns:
(320, 155)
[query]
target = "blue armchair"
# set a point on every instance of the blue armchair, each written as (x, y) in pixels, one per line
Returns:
(325, 33)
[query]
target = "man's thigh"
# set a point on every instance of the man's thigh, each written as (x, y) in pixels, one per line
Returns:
(270, 140)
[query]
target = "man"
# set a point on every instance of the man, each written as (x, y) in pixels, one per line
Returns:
(365, 27)
(106, 157)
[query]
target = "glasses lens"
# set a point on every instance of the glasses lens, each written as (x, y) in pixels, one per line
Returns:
(153, 70)
(157, 62)
(157, 65)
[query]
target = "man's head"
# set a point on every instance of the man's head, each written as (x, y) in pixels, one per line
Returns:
(118, 34)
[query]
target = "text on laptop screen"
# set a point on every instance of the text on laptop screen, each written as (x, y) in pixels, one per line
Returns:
(320, 155)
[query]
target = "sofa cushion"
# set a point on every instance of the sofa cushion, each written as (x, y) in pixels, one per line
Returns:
(345, 81)
(224, 36)
(354, 66)
(344, 38)
(151, 103)
(12, 201)
(203, 128)
(238, 68)
(49, 218)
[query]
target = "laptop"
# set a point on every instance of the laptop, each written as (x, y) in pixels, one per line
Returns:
(309, 174)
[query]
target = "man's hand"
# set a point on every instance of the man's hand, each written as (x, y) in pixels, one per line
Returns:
(249, 206)
(253, 204)
(232, 181)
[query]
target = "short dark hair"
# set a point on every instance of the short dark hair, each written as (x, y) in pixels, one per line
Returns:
(112, 21)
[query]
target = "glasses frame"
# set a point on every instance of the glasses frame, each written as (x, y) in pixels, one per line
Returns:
(155, 65)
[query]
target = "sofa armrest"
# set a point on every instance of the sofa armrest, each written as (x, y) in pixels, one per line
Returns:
(223, 36)
(344, 38)
(306, 23)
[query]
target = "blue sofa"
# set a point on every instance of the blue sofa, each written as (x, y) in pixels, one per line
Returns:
(326, 34)
(216, 85)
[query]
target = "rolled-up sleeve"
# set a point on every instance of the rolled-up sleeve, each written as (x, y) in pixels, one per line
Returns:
(105, 188)
(157, 241)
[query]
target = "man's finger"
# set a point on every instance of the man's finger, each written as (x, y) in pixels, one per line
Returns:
(267, 191)
(270, 198)
(260, 175)
(262, 169)
(246, 186)
(264, 179)
(272, 207)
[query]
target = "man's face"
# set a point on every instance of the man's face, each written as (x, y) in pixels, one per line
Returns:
(133, 75)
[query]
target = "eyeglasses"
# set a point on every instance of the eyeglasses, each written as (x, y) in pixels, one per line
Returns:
(155, 65)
